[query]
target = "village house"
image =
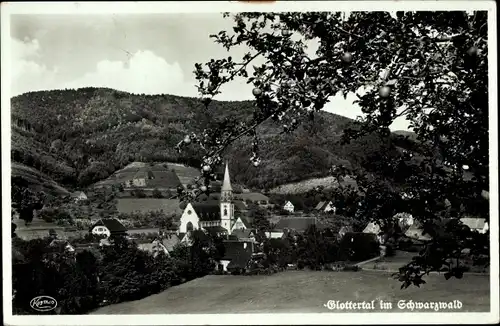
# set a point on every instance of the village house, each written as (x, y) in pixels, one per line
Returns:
(297, 224)
(374, 228)
(236, 257)
(79, 196)
(155, 247)
(476, 224)
(245, 235)
(416, 233)
(108, 227)
(241, 223)
(326, 207)
(289, 207)
(254, 198)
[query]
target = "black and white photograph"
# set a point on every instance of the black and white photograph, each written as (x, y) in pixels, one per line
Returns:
(240, 162)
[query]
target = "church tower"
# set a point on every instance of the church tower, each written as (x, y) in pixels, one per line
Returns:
(226, 202)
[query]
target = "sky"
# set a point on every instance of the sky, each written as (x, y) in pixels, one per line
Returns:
(141, 53)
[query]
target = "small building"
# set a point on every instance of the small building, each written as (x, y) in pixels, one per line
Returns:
(476, 224)
(155, 247)
(404, 220)
(289, 207)
(61, 245)
(170, 241)
(275, 234)
(416, 232)
(245, 235)
(79, 196)
(241, 223)
(236, 257)
(374, 228)
(108, 227)
(216, 231)
(326, 207)
(254, 198)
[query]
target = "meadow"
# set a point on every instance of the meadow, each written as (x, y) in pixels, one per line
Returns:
(303, 292)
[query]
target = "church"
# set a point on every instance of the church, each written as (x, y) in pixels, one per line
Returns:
(215, 217)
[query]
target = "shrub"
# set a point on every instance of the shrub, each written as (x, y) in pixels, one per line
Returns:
(358, 246)
(389, 250)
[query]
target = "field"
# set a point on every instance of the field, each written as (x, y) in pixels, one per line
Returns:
(37, 180)
(309, 184)
(302, 292)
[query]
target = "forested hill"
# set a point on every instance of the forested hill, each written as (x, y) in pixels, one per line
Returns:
(78, 137)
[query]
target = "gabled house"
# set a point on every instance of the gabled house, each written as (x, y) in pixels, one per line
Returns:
(374, 228)
(476, 224)
(254, 197)
(404, 220)
(236, 257)
(241, 223)
(415, 232)
(289, 207)
(245, 235)
(326, 207)
(215, 231)
(155, 247)
(171, 241)
(61, 245)
(79, 196)
(108, 227)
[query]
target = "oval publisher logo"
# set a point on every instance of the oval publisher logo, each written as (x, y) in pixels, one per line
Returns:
(43, 303)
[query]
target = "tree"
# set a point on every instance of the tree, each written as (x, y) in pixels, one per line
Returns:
(24, 200)
(258, 216)
(157, 193)
(429, 67)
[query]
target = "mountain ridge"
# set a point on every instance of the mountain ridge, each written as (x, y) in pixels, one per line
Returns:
(78, 137)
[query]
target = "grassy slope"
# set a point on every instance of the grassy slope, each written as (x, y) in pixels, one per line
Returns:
(302, 292)
(104, 130)
(37, 180)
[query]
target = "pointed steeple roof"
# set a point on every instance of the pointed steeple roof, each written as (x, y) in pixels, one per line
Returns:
(226, 184)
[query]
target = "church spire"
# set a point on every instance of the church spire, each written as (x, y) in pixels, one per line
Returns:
(226, 184)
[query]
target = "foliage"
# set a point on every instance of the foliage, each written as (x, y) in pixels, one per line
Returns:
(358, 246)
(157, 193)
(24, 200)
(150, 219)
(121, 272)
(409, 65)
(259, 217)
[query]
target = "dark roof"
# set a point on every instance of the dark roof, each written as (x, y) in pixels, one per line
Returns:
(207, 211)
(244, 220)
(242, 234)
(213, 230)
(112, 224)
(321, 205)
(170, 241)
(239, 205)
(298, 223)
(237, 253)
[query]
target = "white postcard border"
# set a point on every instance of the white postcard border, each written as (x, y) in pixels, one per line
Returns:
(8, 9)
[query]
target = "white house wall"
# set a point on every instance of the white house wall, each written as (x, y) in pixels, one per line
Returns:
(274, 234)
(186, 218)
(101, 230)
(238, 225)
